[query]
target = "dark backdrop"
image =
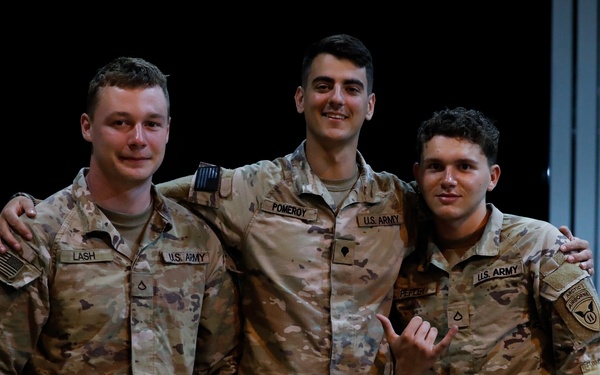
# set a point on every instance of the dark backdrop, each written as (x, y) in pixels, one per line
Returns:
(233, 77)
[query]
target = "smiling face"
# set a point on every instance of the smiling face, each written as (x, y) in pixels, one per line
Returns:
(454, 177)
(129, 131)
(335, 101)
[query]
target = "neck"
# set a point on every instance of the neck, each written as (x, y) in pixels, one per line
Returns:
(126, 199)
(334, 163)
(457, 230)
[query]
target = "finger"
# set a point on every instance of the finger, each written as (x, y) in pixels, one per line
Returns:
(10, 214)
(28, 207)
(566, 231)
(413, 326)
(584, 256)
(424, 330)
(577, 250)
(431, 336)
(19, 227)
(575, 244)
(388, 329)
(445, 342)
(8, 238)
(589, 270)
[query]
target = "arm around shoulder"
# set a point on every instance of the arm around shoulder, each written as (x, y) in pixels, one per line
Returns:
(177, 189)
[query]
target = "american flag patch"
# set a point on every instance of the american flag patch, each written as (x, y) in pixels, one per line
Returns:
(10, 265)
(207, 178)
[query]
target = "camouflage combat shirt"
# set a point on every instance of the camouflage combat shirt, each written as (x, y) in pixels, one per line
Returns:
(314, 275)
(76, 301)
(520, 307)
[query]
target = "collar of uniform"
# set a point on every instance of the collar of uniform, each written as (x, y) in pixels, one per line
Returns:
(94, 220)
(489, 243)
(367, 188)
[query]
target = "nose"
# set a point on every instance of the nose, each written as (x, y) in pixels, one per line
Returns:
(448, 178)
(337, 95)
(137, 135)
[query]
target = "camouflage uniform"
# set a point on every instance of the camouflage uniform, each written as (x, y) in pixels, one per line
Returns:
(521, 308)
(314, 276)
(76, 301)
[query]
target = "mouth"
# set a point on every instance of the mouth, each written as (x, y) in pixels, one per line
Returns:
(447, 198)
(135, 159)
(335, 116)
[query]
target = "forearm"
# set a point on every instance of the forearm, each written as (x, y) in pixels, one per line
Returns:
(177, 189)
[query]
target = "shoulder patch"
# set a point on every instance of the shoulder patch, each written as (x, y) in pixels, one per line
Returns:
(10, 265)
(207, 178)
(578, 308)
(591, 367)
(580, 301)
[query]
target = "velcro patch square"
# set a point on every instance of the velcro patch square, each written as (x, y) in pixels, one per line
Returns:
(207, 178)
(10, 265)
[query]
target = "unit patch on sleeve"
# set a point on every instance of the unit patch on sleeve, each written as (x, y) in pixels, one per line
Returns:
(582, 304)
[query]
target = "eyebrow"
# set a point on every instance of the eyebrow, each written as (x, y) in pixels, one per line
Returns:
(350, 81)
(460, 161)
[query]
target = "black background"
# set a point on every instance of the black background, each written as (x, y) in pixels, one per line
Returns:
(233, 74)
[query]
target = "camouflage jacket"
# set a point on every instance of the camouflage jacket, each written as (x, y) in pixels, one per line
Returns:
(520, 307)
(76, 301)
(314, 276)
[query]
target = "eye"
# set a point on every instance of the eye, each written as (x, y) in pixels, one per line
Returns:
(322, 87)
(354, 89)
(434, 166)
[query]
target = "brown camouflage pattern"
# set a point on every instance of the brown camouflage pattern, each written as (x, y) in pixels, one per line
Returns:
(520, 307)
(313, 279)
(75, 302)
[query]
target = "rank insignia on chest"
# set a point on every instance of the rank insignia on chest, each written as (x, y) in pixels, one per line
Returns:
(343, 252)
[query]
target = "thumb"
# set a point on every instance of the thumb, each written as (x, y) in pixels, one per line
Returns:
(387, 327)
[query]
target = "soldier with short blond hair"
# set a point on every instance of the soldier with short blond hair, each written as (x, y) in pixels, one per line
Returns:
(117, 279)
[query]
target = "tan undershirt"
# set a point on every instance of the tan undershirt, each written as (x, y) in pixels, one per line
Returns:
(129, 226)
(339, 189)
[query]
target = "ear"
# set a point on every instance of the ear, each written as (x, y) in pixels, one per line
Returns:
(168, 129)
(299, 99)
(86, 125)
(494, 177)
(371, 107)
(416, 170)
